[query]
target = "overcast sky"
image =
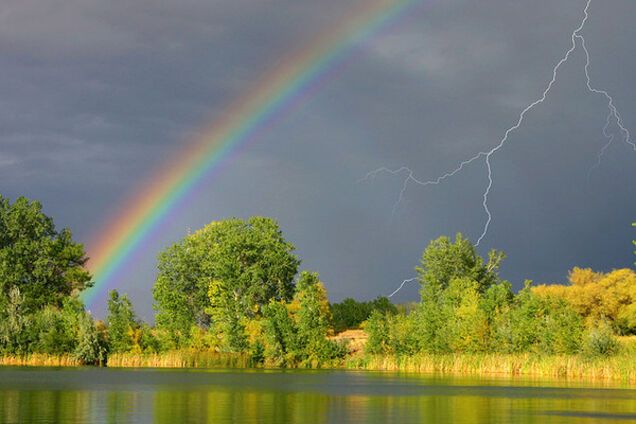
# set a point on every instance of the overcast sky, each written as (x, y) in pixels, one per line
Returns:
(96, 95)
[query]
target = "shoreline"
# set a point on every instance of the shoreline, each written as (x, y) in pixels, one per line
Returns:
(619, 368)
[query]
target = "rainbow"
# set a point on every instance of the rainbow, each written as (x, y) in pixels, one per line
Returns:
(274, 96)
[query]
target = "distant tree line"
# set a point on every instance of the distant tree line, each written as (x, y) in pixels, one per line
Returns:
(351, 314)
(466, 307)
(235, 287)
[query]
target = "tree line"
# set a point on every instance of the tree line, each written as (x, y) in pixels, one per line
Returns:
(235, 286)
(466, 307)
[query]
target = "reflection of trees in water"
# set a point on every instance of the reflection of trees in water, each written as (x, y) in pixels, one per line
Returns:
(47, 406)
(317, 398)
(240, 406)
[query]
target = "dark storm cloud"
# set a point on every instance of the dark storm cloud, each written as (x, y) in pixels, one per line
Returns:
(95, 95)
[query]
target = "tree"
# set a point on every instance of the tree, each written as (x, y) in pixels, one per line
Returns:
(89, 350)
(444, 260)
(496, 303)
(296, 333)
(351, 314)
(221, 274)
(121, 323)
(313, 316)
(467, 330)
(599, 297)
(544, 324)
(44, 264)
(377, 328)
(280, 335)
(13, 328)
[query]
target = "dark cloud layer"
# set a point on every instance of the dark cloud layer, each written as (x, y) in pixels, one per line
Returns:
(95, 95)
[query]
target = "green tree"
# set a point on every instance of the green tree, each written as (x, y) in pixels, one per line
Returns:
(89, 350)
(44, 264)
(403, 334)
(224, 273)
(544, 324)
(280, 335)
(350, 313)
(378, 330)
(14, 337)
(496, 303)
(444, 260)
(468, 327)
(296, 333)
(121, 323)
(313, 316)
(432, 317)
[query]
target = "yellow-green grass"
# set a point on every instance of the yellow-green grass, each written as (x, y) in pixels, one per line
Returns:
(179, 359)
(619, 367)
(40, 360)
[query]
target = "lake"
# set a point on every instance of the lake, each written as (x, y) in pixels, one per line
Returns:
(95, 395)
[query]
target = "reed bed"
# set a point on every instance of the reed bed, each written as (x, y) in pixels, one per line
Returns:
(619, 367)
(40, 360)
(179, 359)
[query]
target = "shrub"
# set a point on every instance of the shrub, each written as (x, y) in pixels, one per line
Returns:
(600, 341)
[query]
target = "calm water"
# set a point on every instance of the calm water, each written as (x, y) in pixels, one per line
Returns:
(202, 396)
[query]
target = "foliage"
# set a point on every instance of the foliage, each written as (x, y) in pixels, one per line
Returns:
(223, 274)
(599, 297)
(312, 317)
(350, 314)
(467, 308)
(14, 337)
(89, 349)
(280, 335)
(45, 265)
(444, 260)
(497, 302)
(296, 333)
(121, 323)
(600, 341)
(377, 328)
(544, 324)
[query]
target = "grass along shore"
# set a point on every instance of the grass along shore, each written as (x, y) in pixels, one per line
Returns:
(179, 359)
(40, 360)
(620, 367)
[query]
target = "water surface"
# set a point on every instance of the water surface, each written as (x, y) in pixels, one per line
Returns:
(98, 395)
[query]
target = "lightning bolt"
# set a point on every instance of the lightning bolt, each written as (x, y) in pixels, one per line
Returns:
(408, 280)
(610, 139)
(613, 117)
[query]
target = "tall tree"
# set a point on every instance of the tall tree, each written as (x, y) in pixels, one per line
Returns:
(44, 264)
(313, 316)
(224, 272)
(444, 260)
(121, 323)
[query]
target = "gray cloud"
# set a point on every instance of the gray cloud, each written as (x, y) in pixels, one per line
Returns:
(96, 95)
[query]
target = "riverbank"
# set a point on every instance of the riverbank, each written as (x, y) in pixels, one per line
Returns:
(620, 367)
(180, 359)
(40, 360)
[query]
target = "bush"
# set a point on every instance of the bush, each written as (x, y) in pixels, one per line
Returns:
(377, 328)
(600, 341)
(350, 314)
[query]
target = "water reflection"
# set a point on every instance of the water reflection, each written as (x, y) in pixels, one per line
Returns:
(160, 396)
